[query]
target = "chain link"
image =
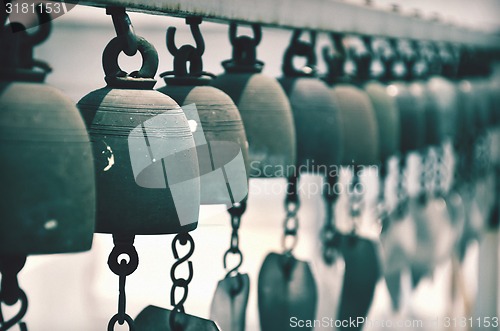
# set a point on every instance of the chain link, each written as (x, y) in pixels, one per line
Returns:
(124, 247)
(182, 239)
(11, 293)
(291, 223)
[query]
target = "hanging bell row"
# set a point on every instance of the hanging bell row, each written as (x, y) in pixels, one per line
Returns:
(141, 138)
(131, 160)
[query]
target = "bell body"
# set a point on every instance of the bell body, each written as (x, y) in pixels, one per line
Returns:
(317, 124)
(411, 102)
(268, 120)
(443, 97)
(145, 162)
(467, 124)
(48, 187)
(220, 141)
(494, 91)
(483, 103)
(360, 132)
(387, 115)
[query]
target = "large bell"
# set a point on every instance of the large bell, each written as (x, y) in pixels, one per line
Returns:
(316, 115)
(145, 156)
(48, 190)
(264, 108)
(219, 133)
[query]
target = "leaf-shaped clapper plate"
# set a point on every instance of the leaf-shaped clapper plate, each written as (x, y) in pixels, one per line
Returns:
(154, 318)
(287, 291)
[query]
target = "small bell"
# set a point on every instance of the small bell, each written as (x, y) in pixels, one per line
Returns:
(383, 102)
(263, 105)
(359, 124)
(408, 96)
(218, 130)
(145, 156)
(442, 112)
(316, 115)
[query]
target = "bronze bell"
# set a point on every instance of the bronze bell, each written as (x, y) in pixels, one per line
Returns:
(145, 157)
(219, 133)
(360, 131)
(264, 108)
(443, 102)
(384, 104)
(387, 115)
(316, 115)
(48, 190)
(409, 97)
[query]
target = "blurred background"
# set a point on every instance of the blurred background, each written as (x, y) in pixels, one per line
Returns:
(78, 292)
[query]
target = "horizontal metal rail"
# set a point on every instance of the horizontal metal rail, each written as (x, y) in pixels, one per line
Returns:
(321, 15)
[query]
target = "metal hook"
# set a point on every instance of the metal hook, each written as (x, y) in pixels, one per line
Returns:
(301, 48)
(124, 29)
(194, 24)
(244, 57)
(187, 53)
(255, 41)
(237, 266)
(334, 59)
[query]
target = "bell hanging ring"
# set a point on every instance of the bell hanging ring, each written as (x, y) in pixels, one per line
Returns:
(316, 115)
(48, 190)
(263, 106)
(214, 119)
(145, 157)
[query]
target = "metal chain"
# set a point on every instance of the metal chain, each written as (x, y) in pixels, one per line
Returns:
(182, 239)
(355, 198)
(426, 171)
(381, 208)
(291, 223)
(439, 189)
(117, 262)
(236, 213)
(10, 292)
(329, 234)
(401, 189)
